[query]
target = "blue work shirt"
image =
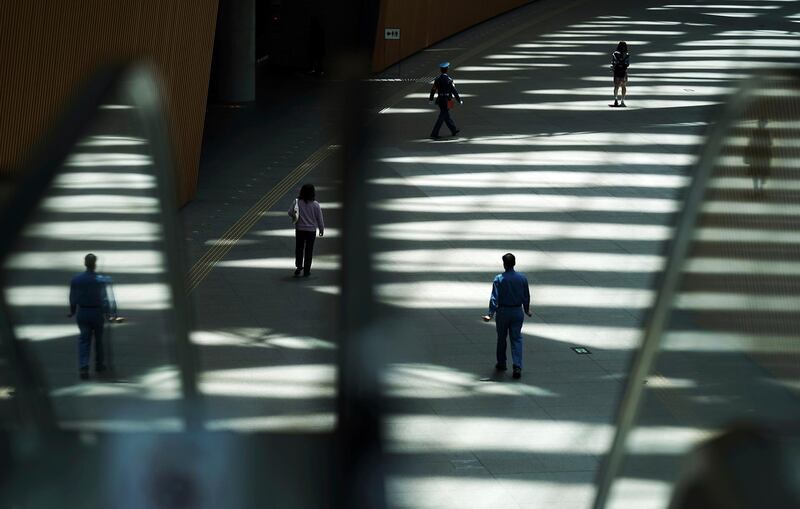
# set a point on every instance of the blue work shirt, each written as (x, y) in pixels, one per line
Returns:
(510, 290)
(90, 290)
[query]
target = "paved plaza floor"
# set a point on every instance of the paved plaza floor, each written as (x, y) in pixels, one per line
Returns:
(585, 196)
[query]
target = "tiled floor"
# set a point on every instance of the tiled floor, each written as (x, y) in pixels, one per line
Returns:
(584, 195)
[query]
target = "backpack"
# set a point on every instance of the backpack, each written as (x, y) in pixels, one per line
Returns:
(619, 62)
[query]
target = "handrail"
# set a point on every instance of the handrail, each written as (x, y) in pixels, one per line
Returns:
(658, 317)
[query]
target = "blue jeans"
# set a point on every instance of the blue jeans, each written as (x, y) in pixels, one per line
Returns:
(509, 323)
(90, 322)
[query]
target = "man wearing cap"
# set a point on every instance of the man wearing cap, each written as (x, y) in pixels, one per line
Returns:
(446, 90)
(510, 297)
(88, 296)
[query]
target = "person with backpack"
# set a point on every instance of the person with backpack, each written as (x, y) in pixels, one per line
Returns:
(306, 214)
(445, 89)
(620, 60)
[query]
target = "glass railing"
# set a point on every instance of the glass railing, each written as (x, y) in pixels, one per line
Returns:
(713, 397)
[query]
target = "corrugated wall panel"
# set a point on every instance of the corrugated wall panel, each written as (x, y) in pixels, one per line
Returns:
(425, 22)
(49, 46)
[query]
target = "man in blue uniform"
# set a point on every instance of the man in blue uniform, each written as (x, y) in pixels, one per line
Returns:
(445, 89)
(510, 296)
(88, 295)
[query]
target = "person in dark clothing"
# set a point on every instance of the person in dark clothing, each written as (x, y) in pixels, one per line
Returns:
(445, 91)
(88, 296)
(307, 216)
(511, 296)
(620, 60)
(758, 156)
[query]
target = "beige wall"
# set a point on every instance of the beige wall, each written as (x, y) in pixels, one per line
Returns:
(48, 47)
(425, 22)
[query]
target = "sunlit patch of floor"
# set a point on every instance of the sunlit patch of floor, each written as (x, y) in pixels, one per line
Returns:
(258, 337)
(630, 493)
(283, 398)
(526, 203)
(464, 489)
(291, 382)
(321, 262)
(429, 381)
(483, 261)
(484, 229)
(633, 102)
(536, 158)
(299, 423)
(463, 295)
(539, 178)
(147, 296)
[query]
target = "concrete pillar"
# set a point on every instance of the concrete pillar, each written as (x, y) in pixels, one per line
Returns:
(235, 52)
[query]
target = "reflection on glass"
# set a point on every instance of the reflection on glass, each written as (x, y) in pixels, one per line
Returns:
(732, 336)
(105, 199)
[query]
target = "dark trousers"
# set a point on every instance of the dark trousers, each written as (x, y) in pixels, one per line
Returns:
(90, 322)
(304, 249)
(444, 116)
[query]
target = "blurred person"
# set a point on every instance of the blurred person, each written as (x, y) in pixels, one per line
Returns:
(307, 216)
(445, 91)
(510, 297)
(758, 156)
(620, 60)
(89, 297)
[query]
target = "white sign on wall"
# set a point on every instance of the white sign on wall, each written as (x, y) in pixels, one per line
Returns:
(391, 33)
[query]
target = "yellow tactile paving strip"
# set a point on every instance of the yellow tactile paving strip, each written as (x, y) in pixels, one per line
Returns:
(224, 244)
(228, 240)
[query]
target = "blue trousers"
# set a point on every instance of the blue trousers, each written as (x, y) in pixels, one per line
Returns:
(444, 116)
(90, 322)
(509, 323)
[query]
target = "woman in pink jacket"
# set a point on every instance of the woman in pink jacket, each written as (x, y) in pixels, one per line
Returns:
(307, 215)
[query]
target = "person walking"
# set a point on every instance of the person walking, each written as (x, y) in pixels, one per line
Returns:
(307, 216)
(89, 299)
(620, 60)
(445, 91)
(510, 297)
(758, 156)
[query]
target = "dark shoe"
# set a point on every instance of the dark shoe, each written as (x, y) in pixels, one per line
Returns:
(456, 131)
(500, 367)
(84, 374)
(517, 372)
(622, 105)
(435, 137)
(306, 274)
(298, 271)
